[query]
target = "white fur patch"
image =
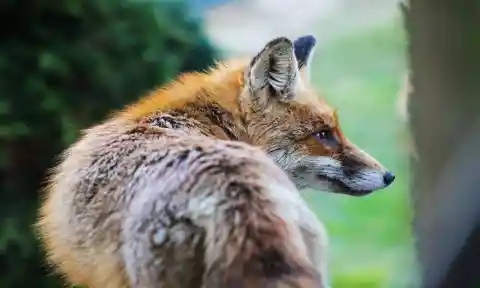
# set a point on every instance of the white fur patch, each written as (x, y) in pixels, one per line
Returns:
(160, 236)
(201, 209)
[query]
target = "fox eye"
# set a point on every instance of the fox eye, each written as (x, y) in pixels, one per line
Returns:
(326, 137)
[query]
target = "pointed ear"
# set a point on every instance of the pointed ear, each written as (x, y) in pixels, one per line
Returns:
(273, 72)
(304, 48)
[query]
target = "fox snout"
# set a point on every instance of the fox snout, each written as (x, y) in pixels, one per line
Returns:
(360, 172)
(350, 171)
(355, 174)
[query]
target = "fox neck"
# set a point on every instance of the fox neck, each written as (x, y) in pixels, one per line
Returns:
(219, 107)
(210, 101)
(216, 120)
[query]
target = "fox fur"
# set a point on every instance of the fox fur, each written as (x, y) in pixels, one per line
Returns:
(197, 184)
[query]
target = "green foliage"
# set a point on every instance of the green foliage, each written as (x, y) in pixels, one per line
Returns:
(64, 65)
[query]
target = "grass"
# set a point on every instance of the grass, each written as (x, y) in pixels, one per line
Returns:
(370, 237)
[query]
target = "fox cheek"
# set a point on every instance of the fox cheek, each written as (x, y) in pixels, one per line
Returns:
(286, 158)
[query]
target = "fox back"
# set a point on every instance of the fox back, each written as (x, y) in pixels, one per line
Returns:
(196, 185)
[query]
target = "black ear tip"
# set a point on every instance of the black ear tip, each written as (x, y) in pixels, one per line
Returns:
(303, 47)
(305, 41)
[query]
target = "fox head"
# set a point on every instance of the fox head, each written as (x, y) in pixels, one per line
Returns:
(288, 119)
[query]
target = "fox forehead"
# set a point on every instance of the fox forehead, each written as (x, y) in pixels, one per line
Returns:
(317, 107)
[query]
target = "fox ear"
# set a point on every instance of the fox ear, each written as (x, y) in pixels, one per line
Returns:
(273, 72)
(304, 47)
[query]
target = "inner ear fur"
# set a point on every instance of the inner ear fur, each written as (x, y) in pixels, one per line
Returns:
(273, 72)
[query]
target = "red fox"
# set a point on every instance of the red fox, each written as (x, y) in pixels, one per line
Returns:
(197, 184)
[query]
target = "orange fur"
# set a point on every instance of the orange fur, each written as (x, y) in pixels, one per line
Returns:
(220, 84)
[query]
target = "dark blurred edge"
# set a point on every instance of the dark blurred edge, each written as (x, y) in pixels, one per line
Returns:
(445, 107)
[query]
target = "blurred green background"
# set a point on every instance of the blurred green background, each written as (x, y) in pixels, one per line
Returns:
(66, 65)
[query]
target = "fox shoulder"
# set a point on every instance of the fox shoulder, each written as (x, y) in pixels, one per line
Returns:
(106, 176)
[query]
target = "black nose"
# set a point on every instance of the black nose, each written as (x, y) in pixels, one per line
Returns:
(388, 178)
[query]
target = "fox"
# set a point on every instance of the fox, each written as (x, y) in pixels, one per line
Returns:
(198, 183)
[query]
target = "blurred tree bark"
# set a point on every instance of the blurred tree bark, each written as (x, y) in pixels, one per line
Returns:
(444, 54)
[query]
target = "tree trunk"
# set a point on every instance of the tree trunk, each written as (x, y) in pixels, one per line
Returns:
(445, 115)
